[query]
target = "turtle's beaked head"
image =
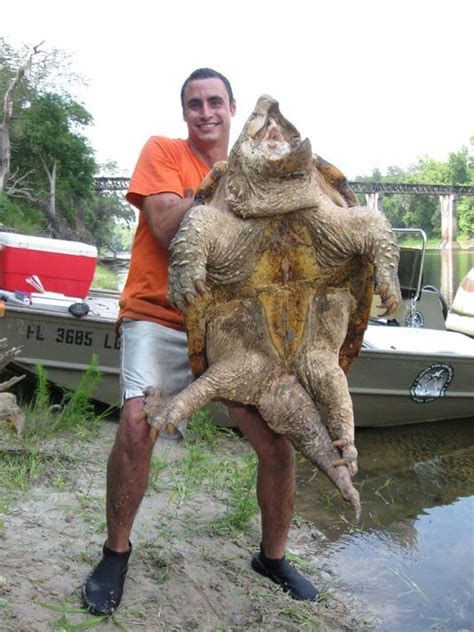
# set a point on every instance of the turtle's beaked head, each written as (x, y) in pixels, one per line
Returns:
(270, 145)
(270, 170)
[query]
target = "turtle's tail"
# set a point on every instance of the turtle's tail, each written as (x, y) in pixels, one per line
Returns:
(323, 454)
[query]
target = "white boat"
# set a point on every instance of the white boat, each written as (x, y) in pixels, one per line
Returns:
(410, 368)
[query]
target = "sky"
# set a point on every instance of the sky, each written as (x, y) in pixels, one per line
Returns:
(371, 83)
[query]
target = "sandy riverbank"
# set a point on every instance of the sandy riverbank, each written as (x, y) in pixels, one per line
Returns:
(184, 575)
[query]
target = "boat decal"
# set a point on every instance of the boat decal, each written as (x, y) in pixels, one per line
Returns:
(431, 383)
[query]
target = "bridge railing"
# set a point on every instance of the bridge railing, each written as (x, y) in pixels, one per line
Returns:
(121, 184)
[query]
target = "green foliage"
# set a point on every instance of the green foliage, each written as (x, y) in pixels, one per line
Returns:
(46, 137)
(202, 428)
(75, 411)
(109, 217)
(422, 211)
(77, 408)
(18, 214)
(242, 503)
(46, 133)
(105, 278)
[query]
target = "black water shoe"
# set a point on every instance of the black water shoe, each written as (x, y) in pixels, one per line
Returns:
(103, 588)
(282, 573)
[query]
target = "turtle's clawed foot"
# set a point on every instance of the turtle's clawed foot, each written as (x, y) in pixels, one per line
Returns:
(348, 455)
(387, 286)
(155, 410)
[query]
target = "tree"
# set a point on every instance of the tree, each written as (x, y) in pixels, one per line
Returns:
(422, 211)
(11, 87)
(44, 160)
(57, 160)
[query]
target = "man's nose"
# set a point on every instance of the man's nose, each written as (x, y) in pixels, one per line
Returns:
(206, 111)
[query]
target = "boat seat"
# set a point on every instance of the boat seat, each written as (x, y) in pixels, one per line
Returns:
(461, 315)
(414, 340)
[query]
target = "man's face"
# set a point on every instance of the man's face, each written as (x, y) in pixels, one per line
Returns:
(207, 111)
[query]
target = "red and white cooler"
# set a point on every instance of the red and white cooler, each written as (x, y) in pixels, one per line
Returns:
(66, 267)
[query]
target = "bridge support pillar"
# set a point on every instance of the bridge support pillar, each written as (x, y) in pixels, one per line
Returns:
(375, 200)
(448, 205)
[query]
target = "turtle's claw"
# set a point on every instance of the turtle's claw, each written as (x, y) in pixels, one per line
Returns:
(200, 286)
(348, 455)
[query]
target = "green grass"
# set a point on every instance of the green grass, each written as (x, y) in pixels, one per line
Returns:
(203, 466)
(75, 411)
(105, 278)
(28, 462)
(240, 479)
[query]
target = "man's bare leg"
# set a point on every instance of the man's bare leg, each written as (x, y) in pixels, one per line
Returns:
(127, 478)
(276, 485)
(127, 473)
(276, 478)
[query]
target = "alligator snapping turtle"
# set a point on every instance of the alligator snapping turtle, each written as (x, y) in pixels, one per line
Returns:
(275, 273)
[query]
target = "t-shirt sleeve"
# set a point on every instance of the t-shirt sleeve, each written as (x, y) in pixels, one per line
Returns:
(157, 171)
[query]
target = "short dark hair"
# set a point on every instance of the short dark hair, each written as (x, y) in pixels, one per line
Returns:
(207, 73)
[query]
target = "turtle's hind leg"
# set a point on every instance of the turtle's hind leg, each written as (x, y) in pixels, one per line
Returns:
(288, 409)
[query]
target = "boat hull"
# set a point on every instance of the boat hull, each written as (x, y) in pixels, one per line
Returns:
(65, 345)
(389, 387)
(383, 386)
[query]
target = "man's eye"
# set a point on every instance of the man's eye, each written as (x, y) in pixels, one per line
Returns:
(194, 105)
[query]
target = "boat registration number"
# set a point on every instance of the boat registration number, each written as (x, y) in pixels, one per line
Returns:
(78, 337)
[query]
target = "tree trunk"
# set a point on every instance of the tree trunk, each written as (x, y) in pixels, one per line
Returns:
(4, 155)
(80, 220)
(53, 220)
(5, 149)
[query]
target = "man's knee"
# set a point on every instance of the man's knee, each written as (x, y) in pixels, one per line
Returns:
(274, 451)
(133, 434)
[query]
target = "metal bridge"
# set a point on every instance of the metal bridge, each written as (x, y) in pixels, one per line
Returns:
(374, 191)
(121, 184)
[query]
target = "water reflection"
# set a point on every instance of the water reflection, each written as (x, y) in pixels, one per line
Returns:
(445, 269)
(412, 559)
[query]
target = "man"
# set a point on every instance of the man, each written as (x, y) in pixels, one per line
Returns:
(154, 349)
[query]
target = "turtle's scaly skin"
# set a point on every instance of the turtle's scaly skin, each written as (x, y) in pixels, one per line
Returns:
(274, 270)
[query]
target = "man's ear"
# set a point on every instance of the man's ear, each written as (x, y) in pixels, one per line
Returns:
(233, 107)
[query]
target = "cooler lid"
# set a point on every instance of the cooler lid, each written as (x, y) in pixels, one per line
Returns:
(62, 246)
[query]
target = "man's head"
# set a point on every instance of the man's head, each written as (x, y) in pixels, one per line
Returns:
(207, 73)
(208, 106)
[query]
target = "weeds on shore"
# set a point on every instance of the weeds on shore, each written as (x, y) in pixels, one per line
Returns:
(75, 411)
(105, 278)
(25, 463)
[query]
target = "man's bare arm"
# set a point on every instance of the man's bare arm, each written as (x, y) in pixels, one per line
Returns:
(164, 212)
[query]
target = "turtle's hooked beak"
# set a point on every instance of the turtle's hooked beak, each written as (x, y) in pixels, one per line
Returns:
(297, 160)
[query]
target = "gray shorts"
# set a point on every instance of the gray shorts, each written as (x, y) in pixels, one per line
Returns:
(153, 355)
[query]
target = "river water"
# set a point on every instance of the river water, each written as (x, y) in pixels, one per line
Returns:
(412, 557)
(446, 269)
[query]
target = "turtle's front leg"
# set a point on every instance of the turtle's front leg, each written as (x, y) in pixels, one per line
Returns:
(189, 251)
(211, 244)
(339, 233)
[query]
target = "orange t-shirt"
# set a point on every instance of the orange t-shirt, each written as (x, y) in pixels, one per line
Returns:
(164, 166)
